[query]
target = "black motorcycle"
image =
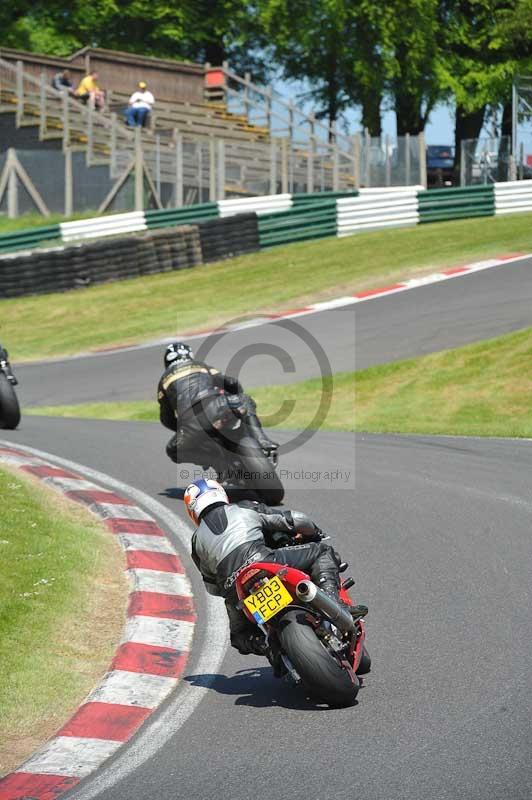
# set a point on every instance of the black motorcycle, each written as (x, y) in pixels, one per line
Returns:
(9, 407)
(243, 467)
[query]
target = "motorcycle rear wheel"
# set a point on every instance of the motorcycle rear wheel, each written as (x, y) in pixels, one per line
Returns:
(263, 479)
(9, 407)
(320, 671)
(365, 662)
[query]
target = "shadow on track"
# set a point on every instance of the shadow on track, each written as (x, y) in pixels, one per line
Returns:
(173, 492)
(258, 688)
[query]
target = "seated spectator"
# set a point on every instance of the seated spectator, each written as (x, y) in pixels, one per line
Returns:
(88, 91)
(139, 106)
(62, 83)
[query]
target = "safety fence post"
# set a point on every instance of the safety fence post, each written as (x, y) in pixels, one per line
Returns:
(90, 133)
(356, 159)
(158, 164)
(12, 186)
(66, 123)
(212, 169)
(221, 170)
(112, 160)
(367, 148)
(178, 168)
(273, 166)
(69, 187)
(422, 159)
(139, 172)
(284, 165)
(334, 143)
(19, 94)
(42, 106)
(407, 160)
(388, 163)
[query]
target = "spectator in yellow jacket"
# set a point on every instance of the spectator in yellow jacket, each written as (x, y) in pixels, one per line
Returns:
(88, 91)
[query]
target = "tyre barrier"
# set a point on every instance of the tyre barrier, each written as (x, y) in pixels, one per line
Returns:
(163, 241)
(229, 237)
(62, 268)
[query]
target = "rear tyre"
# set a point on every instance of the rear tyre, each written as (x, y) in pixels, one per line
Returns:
(262, 478)
(9, 407)
(320, 671)
(365, 662)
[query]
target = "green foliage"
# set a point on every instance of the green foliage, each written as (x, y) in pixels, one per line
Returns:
(61, 610)
(198, 30)
(409, 54)
(313, 40)
(486, 45)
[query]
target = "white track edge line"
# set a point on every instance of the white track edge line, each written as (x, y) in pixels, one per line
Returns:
(313, 308)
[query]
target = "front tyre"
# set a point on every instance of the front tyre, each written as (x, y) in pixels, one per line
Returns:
(320, 671)
(9, 407)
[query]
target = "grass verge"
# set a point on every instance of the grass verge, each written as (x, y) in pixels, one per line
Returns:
(62, 608)
(483, 389)
(140, 309)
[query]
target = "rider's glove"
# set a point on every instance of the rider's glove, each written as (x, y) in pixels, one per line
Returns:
(249, 643)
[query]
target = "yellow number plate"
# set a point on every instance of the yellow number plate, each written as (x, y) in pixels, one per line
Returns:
(268, 600)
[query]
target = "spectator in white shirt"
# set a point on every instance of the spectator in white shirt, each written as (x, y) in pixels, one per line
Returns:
(139, 106)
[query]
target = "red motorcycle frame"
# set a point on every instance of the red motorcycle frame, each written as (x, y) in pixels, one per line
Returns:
(313, 638)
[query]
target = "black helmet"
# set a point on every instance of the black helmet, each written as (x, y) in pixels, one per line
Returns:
(177, 351)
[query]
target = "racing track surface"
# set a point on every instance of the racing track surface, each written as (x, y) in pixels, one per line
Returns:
(434, 317)
(438, 535)
(437, 532)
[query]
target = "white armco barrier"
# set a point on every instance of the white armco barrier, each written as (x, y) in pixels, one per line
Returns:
(103, 226)
(260, 205)
(393, 207)
(393, 190)
(513, 196)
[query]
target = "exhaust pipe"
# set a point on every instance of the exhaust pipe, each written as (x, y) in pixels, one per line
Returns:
(309, 593)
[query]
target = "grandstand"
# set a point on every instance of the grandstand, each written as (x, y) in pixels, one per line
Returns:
(212, 134)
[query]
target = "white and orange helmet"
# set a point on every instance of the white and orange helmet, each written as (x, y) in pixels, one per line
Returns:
(201, 495)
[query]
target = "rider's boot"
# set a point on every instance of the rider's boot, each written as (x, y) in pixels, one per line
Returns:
(11, 378)
(331, 586)
(256, 428)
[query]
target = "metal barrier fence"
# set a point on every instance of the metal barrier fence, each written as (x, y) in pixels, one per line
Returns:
(289, 218)
(488, 160)
(438, 205)
(291, 152)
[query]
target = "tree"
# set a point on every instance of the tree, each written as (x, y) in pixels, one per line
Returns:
(411, 41)
(365, 67)
(197, 30)
(487, 42)
(313, 41)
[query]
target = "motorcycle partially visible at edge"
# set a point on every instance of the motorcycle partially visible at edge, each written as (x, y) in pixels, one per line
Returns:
(9, 406)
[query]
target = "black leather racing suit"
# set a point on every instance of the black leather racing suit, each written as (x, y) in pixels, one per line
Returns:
(4, 360)
(191, 398)
(230, 536)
